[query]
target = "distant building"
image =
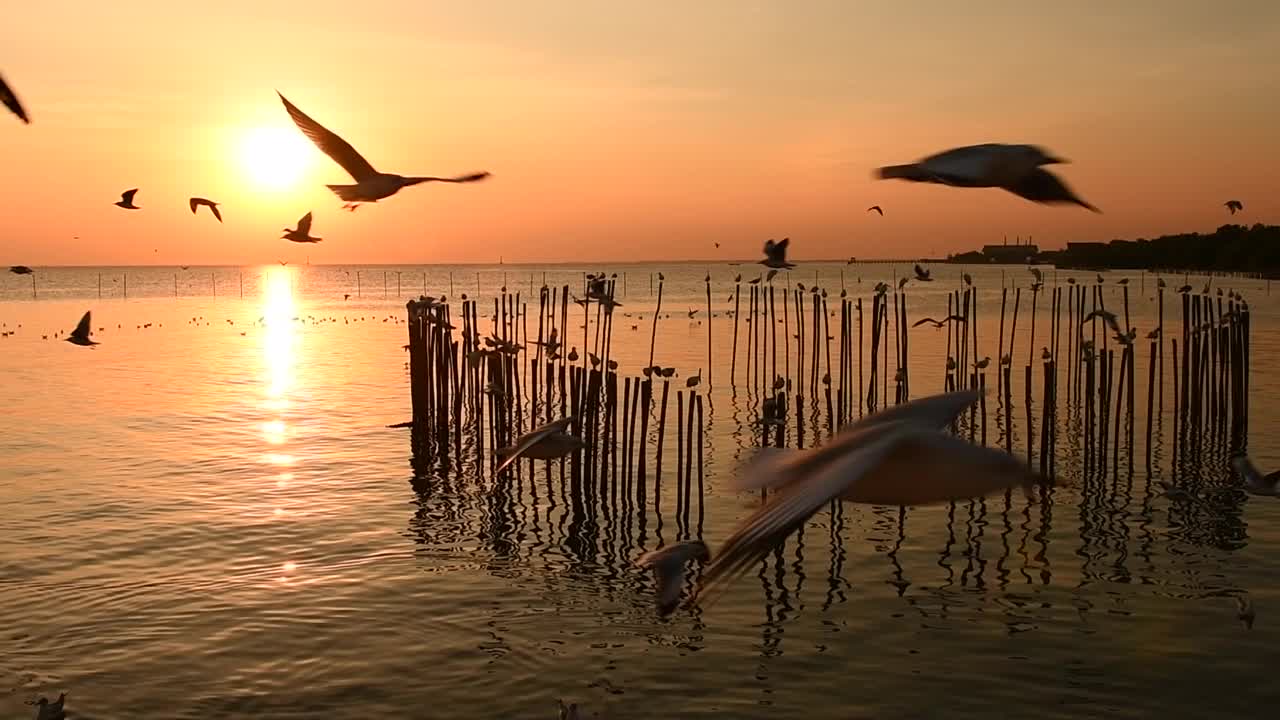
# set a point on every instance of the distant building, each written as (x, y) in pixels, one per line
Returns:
(1019, 254)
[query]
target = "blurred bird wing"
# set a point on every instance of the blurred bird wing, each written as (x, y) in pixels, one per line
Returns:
(11, 101)
(127, 196)
(82, 328)
(213, 207)
(530, 439)
(304, 224)
(332, 145)
(963, 165)
(194, 203)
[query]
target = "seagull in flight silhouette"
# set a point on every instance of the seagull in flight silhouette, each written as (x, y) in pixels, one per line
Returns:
(126, 200)
(1233, 206)
(80, 336)
(1015, 168)
(11, 101)
(775, 254)
(302, 234)
(20, 270)
(196, 202)
(371, 185)
(922, 275)
(877, 209)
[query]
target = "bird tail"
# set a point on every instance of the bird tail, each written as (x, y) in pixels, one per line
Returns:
(911, 172)
(349, 193)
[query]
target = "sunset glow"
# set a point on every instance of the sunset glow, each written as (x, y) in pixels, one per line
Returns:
(274, 158)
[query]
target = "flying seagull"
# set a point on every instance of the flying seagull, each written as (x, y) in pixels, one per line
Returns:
(11, 101)
(126, 200)
(775, 254)
(80, 336)
(877, 209)
(1015, 168)
(937, 323)
(899, 456)
(668, 564)
(302, 234)
(548, 442)
(196, 202)
(371, 185)
(20, 270)
(1254, 481)
(922, 275)
(1233, 206)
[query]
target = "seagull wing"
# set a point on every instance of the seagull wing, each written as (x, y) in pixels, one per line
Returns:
(11, 101)
(82, 328)
(304, 224)
(1042, 186)
(964, 166)
(195, 203)
(332, 145)
(213, 208)
(530, 439)
(127, 196)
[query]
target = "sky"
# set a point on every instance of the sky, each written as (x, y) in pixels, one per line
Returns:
(623, 131)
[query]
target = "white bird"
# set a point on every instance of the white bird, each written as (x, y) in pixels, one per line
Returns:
(303, 232)
(547, 442)
(1254, 481)
(371, 185)
(11, 101)
(1015, 168)
(898, 456)
(196, 202)
(126, 200)
(775, 254)
(80, 336)
(668, 565)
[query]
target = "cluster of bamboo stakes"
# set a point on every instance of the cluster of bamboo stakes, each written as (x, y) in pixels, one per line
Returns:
(473, 393)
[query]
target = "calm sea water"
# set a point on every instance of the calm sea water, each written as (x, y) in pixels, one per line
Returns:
(205, 517)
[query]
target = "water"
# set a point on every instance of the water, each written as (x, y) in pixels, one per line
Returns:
(208, 519)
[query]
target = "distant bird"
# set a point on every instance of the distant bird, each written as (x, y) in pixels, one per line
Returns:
(11, 101)
(283, 262)
(126, 200)
(922, 275)
(770, 275)
(20, 270)
(1254, 481)
(692, 313)
(852, 260)
(1184, 289)
(899, 456)
(983, 363)
(1160, 283)
(1100, 278)
(936, 323)
(573, 354)
(1039, 276)
(1107, 316)
(1071, 281)
(668, 565)
(80, 336)
(1015, 168)
(302, 234)
(877, 209)
(1045, 354)
(775, 254)
(1122, 281)
(1006, 359)
(693, 380)
(967, 280)
(46, 710)
(903, 283)
(548, 442)
(1154, 334)
(196, 202)
(1233, 206)
(371, 185)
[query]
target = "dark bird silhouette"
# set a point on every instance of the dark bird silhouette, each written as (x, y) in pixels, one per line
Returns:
(668, 564)
(936, 323)
(196, 202)
(877, 209)
(20, 270)
(775, 254)
(302, 234)
(922, 275)
(11, 101)
(1233, 206)
(1015, 168)
(126, 200)
(46, 710)
(371, 185)
(80, 336)
(1254, 480)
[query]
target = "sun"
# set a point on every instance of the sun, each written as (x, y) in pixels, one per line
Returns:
(275, 158)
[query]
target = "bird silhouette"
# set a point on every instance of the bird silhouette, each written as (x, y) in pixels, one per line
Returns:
(877, 209)
(196, 202)
(1015, 168)
(922, 275)
(303, 232)
(937, 323)
(46, 710)
(668, 564)
(775, 254)
(547, 442)
(1044, 187)
(1254, 480)
(80, 336)
(371, 185)
(126, 200)
(1233, 206)
(11, 101)
(20, 270)
(1039, 276)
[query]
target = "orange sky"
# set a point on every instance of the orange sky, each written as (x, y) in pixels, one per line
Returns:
(625, 131)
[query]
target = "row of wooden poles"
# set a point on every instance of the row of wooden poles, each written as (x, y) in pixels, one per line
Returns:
(471, 390)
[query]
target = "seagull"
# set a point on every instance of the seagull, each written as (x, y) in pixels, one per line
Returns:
(20, 270)
(1044, 187)
(1232, 205)
(1015, 168)
(1184, 289)
(371, 185)
(668, 565)
(196, 202)
(967, 280)
(899, 456)
(1108, 317)
(1160, 283)
(692, 312)
(936, 323)
(1039, 276)
(11, 101)
(80, 336)
(922, 275)
(983, 363)
(46, 710)
(302, 234)
(1254, 481)
(877, 209)
(547, 442)
(693, 380)
(775, 254)
(903, 282)
(1045, 354)
(126, 200)
(1100, 278)
(852, 260)
(1122, 281)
